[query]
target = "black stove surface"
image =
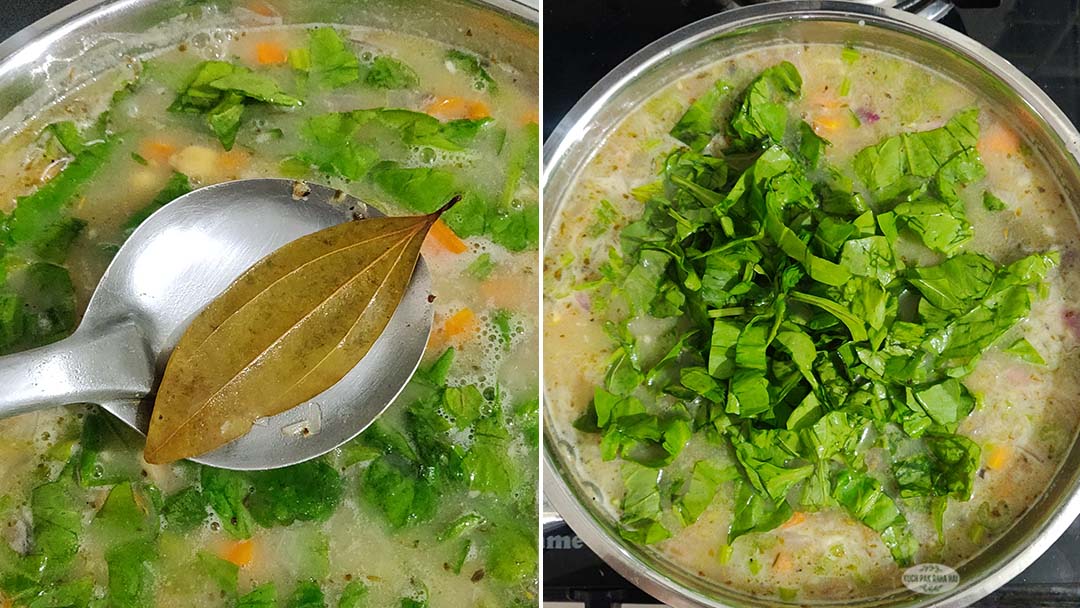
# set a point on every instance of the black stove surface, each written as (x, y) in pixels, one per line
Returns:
(584, 39)
(21, 13)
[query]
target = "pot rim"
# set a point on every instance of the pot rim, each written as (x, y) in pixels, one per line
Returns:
(25, 46)
(572, 129)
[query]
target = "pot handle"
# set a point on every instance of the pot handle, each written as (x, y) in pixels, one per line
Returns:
(90, 366)
(936, 10)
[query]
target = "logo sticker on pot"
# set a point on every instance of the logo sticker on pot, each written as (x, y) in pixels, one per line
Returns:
(930, 578)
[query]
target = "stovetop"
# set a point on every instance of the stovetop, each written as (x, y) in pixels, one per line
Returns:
(584, 39)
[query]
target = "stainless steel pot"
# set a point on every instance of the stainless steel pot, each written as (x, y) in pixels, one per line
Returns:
(69, 48)
(577, 137)
(931, 9)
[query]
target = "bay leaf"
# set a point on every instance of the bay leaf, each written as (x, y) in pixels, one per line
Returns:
(286, 330)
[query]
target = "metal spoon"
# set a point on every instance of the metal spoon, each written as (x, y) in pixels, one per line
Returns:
(174, 265)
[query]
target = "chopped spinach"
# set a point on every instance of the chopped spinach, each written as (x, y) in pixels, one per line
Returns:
(344, 143)
(993, 203)
(221, 572)
(392, 486)
(184, 510)
(67, 134)
(472, 66)
(219, 91)
(309, 491)
(1025, 351)
(40, 226)
(41, 305)
(389, 73)
(307, 594)
(57, 524)
(799, 326)
(263, 596)
(699, 124)
(333, 148)
(225, 491)
(762, 115)
(512, 554)
(131, 576)
(481, 267)
(108, 453)
(354, 595)
(421, 189)
(129, 514)
(73, 594)
(865, 500)
(329, 60)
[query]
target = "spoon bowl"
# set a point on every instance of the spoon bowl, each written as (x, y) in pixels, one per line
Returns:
(176, 263)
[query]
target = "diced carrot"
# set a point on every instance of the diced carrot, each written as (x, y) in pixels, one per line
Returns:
(454, 329)
(998, 139)
(157, 151)
(240, 553)
(442, 235)
(263, 8)
(783, 563)
(998, 457)
(269, 52)
(6, 602)
(796, 518)
(445, 107)
(463, 321)
(532, 116)
(234, 161)
(449, 108)
(477, 109)
(505, 290)
(828, 122)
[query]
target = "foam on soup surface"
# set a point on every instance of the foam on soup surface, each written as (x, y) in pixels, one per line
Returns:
(1026, 415)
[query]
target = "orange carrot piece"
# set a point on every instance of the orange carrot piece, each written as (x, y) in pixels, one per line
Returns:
(999, 139)
(263, 8)
(441, 234)
(461, 322)
(505, 290)
(454, 329)
(270, 53)
(532, 116)
(783, 563)
(998, 457)
(827, 123)
(157, 151)
(450, 108)
(234, 160)
(796, 518)
(478, 109)
(240, 553)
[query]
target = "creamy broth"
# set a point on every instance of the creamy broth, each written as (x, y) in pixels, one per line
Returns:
(1027, 415)
(486, 311)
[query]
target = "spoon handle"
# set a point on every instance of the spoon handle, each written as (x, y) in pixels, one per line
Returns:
(90, 366)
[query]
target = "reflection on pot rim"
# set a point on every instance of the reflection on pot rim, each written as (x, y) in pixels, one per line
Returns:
(593, 117)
